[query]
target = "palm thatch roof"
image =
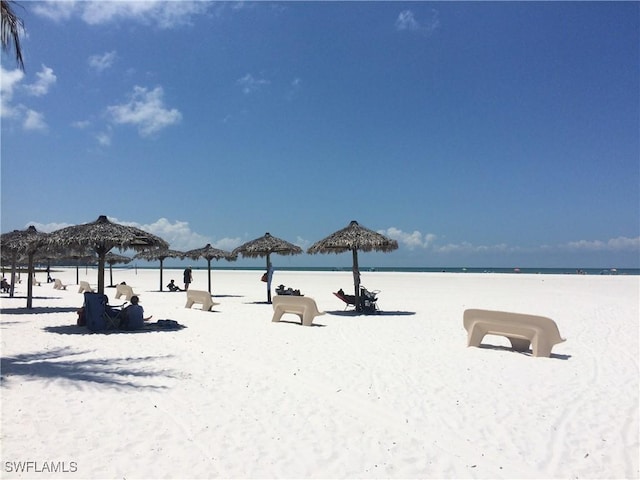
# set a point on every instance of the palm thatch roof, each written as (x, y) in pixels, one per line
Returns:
(160, 254)
(23, 243)
(210, 253)
(113, 258)
(264, 247)
(353, 236)
(103, 235)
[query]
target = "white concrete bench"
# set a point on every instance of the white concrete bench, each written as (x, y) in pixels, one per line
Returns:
(58, 285)
(85, 287)
(303, 307)
(200, 296)
(125, 290)
(522, 330)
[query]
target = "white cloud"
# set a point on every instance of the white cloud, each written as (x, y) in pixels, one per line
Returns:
(160, 13)
(104, 138)
(410, 240)
(56, 10)
(41, 86)
(407, 21)
(250, 84)
(34, 120)
(29, 118)
(101, 62)
(9, 80)
(613, 244)
(146, 111)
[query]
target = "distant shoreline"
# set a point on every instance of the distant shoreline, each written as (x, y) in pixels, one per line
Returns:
(505, 270)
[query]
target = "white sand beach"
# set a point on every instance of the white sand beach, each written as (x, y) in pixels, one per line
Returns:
(394, 395)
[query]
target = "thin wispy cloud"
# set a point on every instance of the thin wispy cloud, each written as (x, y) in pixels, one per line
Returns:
(159, 13)
(407, 21)
(102, 62)
(146, 111)
(249, 84)
(417, 240)
(34, 121)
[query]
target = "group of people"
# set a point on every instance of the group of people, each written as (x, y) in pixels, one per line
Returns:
(187, 277)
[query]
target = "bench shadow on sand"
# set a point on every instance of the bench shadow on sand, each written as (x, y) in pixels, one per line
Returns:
(528, 353)
(379, 313)
(52, 364)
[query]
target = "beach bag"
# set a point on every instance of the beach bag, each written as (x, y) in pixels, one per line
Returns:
(264, 277)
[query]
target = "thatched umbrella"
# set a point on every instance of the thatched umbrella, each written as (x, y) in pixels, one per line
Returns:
(210, 253)
(352, 238)
(111, 259)
(20, 243)
(265, 246)
(103, 235)
(160, 254)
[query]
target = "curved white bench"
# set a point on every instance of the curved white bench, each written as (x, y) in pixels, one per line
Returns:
(521, 329)
(200, 296)
(85, 287)
(125, 290)
(303, 307)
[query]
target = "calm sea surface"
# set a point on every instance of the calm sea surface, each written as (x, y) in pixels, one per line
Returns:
(545, 271)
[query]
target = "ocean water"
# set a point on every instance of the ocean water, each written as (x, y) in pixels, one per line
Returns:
(521, 270)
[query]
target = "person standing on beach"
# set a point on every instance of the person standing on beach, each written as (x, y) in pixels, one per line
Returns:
(188, 278)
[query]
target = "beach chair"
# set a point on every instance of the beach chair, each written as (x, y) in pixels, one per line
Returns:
(368, 300)
(99, 315)
(58, 285)
(349, 300)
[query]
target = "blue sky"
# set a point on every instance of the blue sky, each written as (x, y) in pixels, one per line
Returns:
(476, 134)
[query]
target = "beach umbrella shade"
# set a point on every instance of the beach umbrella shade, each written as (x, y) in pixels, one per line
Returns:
(21, 243)
(264, 247)
(160, 254)
(112, 259)
(210, 253)
(354, 238)
(102, 236)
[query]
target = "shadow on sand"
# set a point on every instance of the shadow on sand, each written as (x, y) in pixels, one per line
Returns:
(158, 326)
(385, 313)
(528, 353)
(63, 363)
(37, 310)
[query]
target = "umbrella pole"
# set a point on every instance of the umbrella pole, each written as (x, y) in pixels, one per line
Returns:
(111, 274)
(101, 255)
(209, 270)
(13, 275)
(161, 260)
(268, 282)
(30, 282)
(356, 279)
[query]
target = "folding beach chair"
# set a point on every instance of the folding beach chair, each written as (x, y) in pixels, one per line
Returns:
(368, 300)
(99, 314)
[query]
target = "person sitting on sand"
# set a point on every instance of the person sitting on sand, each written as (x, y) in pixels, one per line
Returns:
(173, 287)
(134, 315)
(4, 286)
